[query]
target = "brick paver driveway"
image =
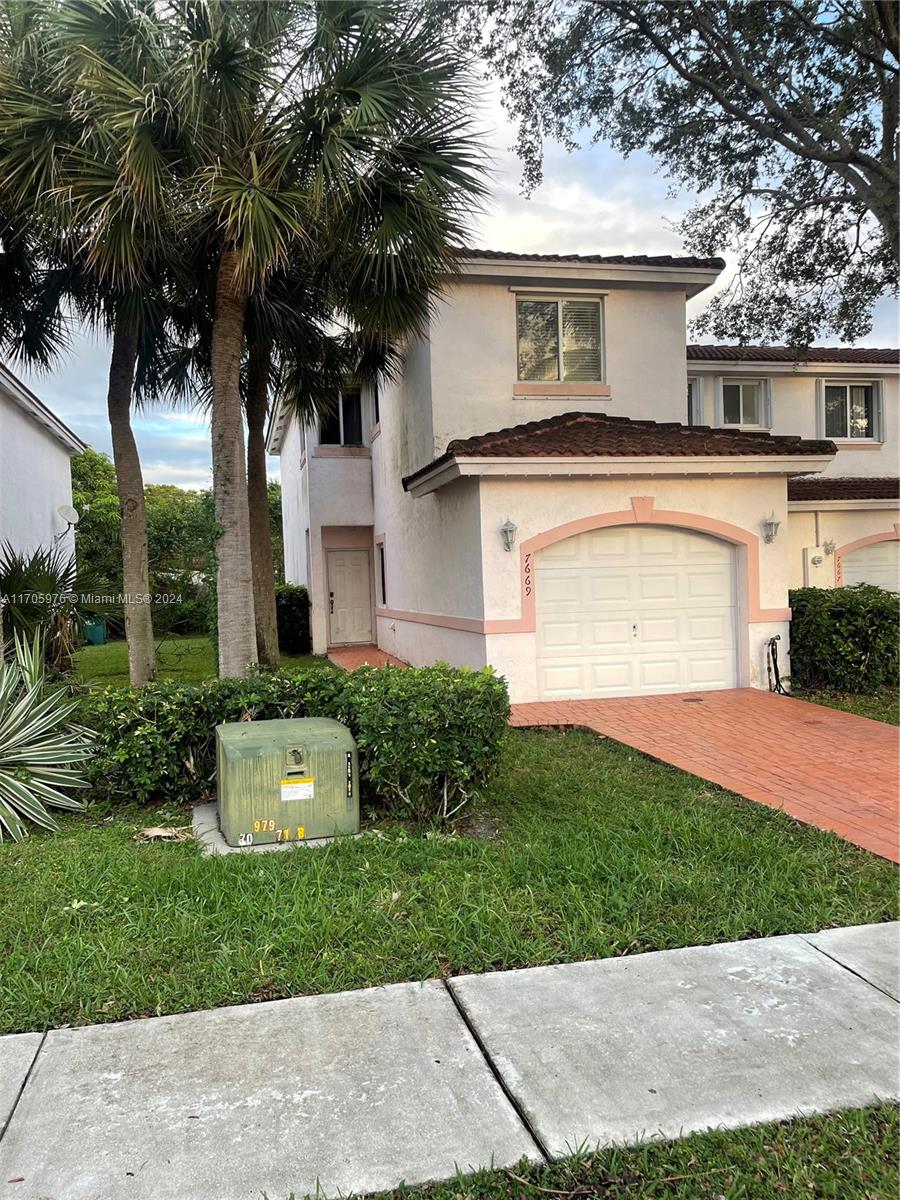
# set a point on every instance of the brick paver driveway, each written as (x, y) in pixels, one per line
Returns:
(825, 767)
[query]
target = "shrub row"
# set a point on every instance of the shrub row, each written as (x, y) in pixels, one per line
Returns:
(292, 613)
(845, 639)
(427, 737)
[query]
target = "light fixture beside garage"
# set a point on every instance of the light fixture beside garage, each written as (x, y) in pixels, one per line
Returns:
(508, 533)
(770, 528)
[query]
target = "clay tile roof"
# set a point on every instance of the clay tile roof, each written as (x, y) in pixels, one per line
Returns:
(612, 260)
(815, 354)
(595, 435)
(815, 487)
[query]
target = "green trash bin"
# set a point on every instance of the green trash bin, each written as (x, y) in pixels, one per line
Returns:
(95, 632)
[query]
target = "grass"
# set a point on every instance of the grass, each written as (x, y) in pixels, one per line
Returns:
(848, 1155)
(186, 659)
(882, 706)
(600, 852)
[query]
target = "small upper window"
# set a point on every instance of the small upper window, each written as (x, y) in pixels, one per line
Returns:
(742, 402)
(343, 425)
(849, 410)
(559, 340)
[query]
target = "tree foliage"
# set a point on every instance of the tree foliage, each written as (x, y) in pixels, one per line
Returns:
(782, 115)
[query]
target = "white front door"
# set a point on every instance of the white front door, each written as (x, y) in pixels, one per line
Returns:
(878, 563)
(635, 609)
(349, 597)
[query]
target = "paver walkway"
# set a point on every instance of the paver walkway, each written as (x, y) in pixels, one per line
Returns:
(360, 1091)
(825, 767)
(351, 657)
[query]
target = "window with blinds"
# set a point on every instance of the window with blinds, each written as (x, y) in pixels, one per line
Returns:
(560, 340)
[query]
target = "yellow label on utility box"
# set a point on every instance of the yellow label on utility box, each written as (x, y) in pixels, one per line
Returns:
(298, 788)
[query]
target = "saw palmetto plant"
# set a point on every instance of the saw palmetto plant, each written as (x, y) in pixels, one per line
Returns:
(41, 748)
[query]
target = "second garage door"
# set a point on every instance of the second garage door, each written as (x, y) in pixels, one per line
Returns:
(878, 563)
(635, 610)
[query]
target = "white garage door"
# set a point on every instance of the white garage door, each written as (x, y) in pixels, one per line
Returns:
(635, 609)
(878, 564)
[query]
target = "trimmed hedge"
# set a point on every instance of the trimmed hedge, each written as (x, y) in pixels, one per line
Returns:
(428, 737)
(292, 613)
(845, 639)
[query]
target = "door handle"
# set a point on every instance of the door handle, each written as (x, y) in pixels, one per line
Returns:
(634, 630)
(331, 601)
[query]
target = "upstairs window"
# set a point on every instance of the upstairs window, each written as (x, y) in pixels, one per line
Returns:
(343, 425)
(560, 340)
(852, 410)
(742, 402)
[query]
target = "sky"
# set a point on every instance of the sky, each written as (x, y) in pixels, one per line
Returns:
(592, 201)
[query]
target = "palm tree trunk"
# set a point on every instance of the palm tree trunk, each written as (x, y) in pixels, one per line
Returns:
(237, 630)
(130, 486)
(258, 497)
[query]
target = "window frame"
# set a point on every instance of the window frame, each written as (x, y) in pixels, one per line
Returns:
(381, 571)
(876, 435)
(559, 299)
(764, 413)
(339, 412)
(695, 400)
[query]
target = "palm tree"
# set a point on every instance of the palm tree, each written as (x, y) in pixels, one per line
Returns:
(335, 132)
(99, 241)
(339, 129)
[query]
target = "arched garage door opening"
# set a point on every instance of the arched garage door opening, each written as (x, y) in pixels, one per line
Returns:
(877, 563)
(635, 610)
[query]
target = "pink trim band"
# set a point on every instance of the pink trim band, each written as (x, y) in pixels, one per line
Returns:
(464, 624)
(642, 512)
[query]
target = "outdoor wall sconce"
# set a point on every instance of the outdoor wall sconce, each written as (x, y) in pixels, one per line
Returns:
(770, 528)
(828, 546)
(508, 532)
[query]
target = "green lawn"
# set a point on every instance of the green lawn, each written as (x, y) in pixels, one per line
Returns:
(186, 659)
(883, 706)
(849, 1155)
(600, 851)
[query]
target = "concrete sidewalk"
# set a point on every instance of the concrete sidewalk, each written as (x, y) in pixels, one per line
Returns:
(360, 1091)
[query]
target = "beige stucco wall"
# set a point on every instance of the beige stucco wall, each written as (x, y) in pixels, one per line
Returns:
(473, 362)
(537, 505)
(794, 412)
(836, 525)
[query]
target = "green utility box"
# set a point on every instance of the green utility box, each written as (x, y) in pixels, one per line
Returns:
(286, 781)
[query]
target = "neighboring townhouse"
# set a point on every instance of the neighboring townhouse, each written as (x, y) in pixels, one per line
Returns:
(843, 523)
(531, 492)
(36, 449)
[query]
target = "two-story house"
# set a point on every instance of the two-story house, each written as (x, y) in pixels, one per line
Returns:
(536, 491)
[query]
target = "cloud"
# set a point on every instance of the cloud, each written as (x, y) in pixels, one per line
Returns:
(591, 201)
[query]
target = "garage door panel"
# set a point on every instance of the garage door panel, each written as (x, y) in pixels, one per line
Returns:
(659, 673)
(657, 585)
(659, 543)
(657, 607)
(563, 636)
(609, 637)
(710, 627)
(655, 631)
(609, 588)
(563, 679)
(610, 678)
(708, 672)
(707, 585)
(563, 591)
